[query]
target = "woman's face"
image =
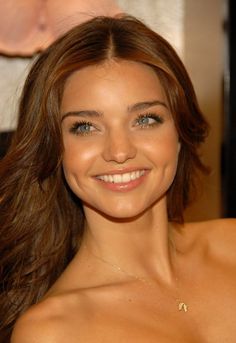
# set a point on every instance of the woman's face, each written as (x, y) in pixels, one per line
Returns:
(120, 142)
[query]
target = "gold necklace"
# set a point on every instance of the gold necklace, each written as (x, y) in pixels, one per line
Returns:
(181, 305)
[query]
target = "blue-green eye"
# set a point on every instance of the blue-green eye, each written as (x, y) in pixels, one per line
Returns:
(82, 128)
(148, 120)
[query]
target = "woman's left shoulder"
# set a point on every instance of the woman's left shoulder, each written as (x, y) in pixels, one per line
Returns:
(218, 235)
(219, 228)
(215, 227)
(220, 225)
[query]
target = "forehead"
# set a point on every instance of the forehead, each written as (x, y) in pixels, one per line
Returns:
(114, 81)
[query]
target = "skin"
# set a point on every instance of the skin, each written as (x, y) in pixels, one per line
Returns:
(127, 226)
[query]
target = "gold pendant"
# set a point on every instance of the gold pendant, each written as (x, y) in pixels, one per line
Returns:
(183, 307)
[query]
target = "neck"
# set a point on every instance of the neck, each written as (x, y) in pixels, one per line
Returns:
(140, 246)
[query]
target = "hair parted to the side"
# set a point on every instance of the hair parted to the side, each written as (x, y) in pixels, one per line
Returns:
(40, 219)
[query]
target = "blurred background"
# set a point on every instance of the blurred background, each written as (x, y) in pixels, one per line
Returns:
(201, 31)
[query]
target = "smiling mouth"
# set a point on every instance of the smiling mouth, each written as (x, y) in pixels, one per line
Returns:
(121, 178)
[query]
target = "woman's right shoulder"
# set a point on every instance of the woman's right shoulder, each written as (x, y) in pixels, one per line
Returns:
(38, 325)
(47, 321)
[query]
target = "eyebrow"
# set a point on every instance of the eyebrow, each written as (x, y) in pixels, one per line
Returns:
(146, 104)
(84, 113)
(135, 107)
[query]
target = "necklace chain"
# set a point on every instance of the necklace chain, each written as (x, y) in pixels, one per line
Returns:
(182, 306)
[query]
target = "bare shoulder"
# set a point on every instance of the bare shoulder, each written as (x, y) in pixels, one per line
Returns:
(37, 325)
(50, 321)
(216, 229)
(218, 236)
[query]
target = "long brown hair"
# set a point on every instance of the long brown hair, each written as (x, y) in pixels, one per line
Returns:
(41, 220)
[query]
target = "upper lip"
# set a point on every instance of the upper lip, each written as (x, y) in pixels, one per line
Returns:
(121, 171)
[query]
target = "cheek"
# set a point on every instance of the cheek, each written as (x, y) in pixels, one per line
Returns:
(163, 148)
(77, 158)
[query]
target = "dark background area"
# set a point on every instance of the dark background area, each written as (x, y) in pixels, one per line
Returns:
(229, 144)
(5, 138)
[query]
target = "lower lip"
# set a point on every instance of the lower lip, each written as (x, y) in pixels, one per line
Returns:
(125, 186)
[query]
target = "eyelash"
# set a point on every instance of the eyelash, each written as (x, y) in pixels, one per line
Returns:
(158, 120)
(74, 128)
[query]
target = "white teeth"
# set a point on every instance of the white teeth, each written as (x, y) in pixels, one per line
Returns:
(133, 176)
(121, 178)
(117, 178)
(126, 177)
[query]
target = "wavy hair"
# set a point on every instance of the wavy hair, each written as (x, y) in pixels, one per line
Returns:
(41, 221)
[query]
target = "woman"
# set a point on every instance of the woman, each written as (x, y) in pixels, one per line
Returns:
(92, 197)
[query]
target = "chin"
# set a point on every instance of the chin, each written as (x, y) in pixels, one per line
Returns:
(119, 213)
(123, 216)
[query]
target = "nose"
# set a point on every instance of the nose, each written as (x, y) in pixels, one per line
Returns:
(119, 147)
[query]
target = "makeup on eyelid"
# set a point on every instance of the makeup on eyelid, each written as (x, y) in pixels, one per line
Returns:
(143, 120)
(79, 125)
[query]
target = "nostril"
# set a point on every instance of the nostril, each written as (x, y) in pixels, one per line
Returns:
(119, 150)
